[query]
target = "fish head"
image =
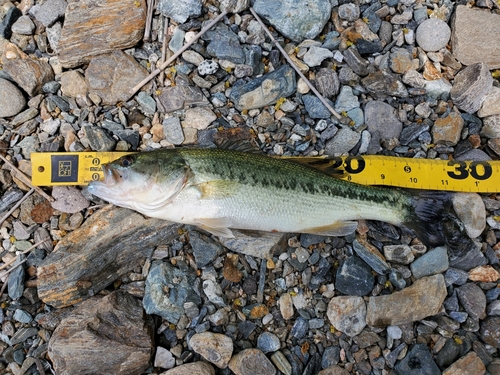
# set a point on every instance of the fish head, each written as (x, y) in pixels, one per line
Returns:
(144, 181)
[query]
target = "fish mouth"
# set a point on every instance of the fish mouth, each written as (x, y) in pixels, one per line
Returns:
(111, 175)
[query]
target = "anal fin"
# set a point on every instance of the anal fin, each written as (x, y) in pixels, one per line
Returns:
(217, 226)
(337, 229)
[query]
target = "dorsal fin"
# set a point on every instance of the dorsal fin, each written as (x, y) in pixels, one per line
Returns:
(240, 145)
(330, 166)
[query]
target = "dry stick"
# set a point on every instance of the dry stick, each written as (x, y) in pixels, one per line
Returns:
(149, 20)
(8, 263)
(26, 180)
(285, 55)
(16, 206)
(175, 55)
(166, 40)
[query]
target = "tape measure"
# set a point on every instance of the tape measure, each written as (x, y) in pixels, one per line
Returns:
(80, 168)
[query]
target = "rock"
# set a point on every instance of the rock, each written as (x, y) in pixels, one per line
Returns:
(177, 40)
(11, 99)
(470, 209)
(251, 362)
(418, 361)
(260, 245)
(23, 26)
(234, 6)
(265, 90)
(92, 257)
(431, 263)
(296, 20)
(167, 290)
(468, 364)
(195, 368)
(115, 321)
(73, 84)
(177, 97)
(68, 199)
(349, 12)
(347, 314)
(315, 108)
(381, 118)
(50, 11)
(330, 357)
(300, 328)
(315, 56)
(111, 76)
(268, 342)
(198, 118)
(334, 370)
(471, 86)
(225, 45)
(399, 254)
(354, 277)
(447, 130)
(327, 82)
(121, 25)
(286, 306)
(28, 73)
(99, 139)
(401, 60)
(214, 347)
(467, 38)
(8, 17)
(205, 250)
(484, 274)
(381, 83)
(15, 279)
(491, 103)
(490, 331)
(370, 255)
(280, 361)
(433, 34)
(180, 10)
(473, 300)
(354, 60)
(213, 291)
(343, 141)
(422, 299)
(164, 358)
(346, 100)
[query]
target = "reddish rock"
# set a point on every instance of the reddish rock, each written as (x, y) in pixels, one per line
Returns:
(469, 364)
(447, 131)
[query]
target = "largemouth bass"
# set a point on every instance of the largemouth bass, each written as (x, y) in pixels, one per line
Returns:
(220, 189)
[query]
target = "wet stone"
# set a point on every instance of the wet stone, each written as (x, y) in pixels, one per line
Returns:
(347, 314)
(433, 262)
(214, 347)
(354, 277)
(417, 361)
(297, 20)
(399, 254)
(163, 276)
(268, 342)
(473, 300)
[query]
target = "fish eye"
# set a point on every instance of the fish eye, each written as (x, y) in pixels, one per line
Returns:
(127, 161)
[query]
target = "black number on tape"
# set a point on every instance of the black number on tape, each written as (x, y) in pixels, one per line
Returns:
(354, 164)
(479, 170)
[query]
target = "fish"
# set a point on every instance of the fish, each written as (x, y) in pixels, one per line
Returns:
(220, 189)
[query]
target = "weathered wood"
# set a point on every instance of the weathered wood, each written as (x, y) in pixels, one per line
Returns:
(109, 244)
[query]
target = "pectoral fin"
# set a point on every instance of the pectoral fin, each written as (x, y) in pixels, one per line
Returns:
(218, 227)
(216, 189)
(340, 228)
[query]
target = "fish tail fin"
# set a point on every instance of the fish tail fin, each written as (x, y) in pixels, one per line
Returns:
(430, 210)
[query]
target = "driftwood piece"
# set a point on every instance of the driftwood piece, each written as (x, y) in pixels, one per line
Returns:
(109, 244)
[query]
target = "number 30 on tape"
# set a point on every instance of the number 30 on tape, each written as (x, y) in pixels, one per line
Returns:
(80, 168)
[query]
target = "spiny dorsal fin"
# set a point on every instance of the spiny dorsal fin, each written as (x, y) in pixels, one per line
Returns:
(324, 164)
(240, 145)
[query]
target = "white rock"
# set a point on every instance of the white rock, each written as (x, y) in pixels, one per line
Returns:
(286, 306)
(198, 118)
(315, 56)
(470, 209)
(347, 314)
(164, 358)
(193, 57)
(207, 67)
(491, 104)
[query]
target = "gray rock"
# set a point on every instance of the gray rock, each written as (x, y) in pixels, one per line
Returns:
(180, 10)
(315, 56)
(22, 316)
(491, 103)
(214, 347)
(470, 87)
(357, 63)
(167, 289)
(23, 333)
(295, 19)
(300, 328)
(349, 12)
(401, 60)
(418, 361)
(438, 89)
(177, 40)
(172, 130)
(234, 6)
(491, 127)
(381, 118)
(347, 314)
(473, 300)
(433, 34)
(225, 45)
(327, 82)
(399, 254)
(265, 90)
(176, 97)
(11, 99)
(315, 108)
(8, 16)
(382, 83)
(468, 36)
(68, 199)
(251, 362)
(371, 256)
(354, 277)
(344, 141)
(15, 281)
(433, 262)
(490, 331)
(268, 342)
(330, 357)
(50, 11)
(470, 209)
(204, 248)
(99, 139)
(24, 26)
(422, 299)
(346, 100)
(146, 102)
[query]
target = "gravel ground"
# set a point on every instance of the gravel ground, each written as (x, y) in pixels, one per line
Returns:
(93, 289)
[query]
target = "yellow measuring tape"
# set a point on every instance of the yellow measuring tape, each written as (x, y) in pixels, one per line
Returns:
(80, 168)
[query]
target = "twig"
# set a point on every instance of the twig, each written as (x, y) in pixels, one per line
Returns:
(290, 61)
(26, 179)
(16, 206)
(175, 55)
(149, 20)
(8, 263)
(13, 268)
(164, 49)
